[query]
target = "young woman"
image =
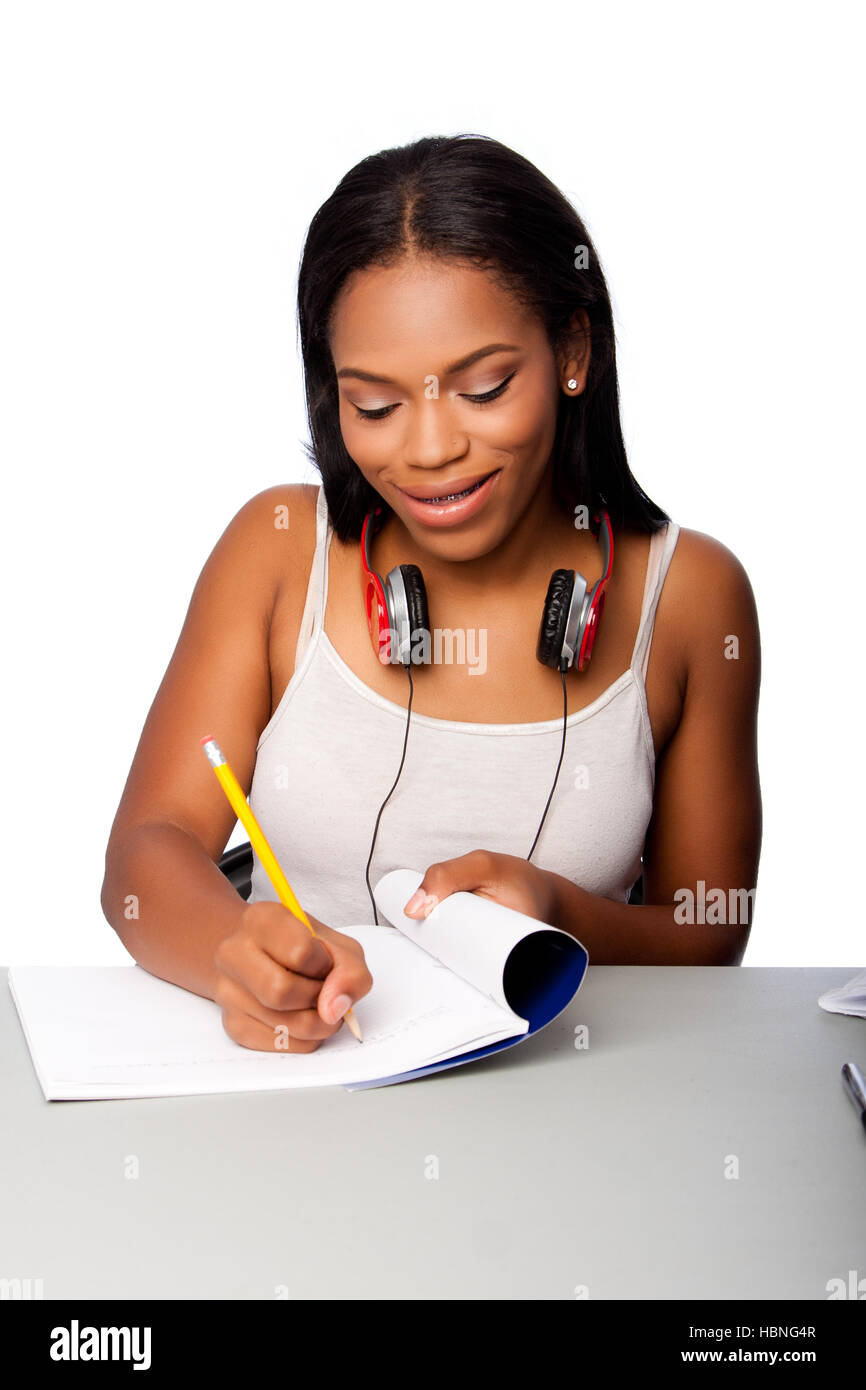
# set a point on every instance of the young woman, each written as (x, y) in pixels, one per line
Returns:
(458, 345)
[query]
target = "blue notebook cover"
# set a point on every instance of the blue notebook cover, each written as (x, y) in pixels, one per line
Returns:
(541, 976)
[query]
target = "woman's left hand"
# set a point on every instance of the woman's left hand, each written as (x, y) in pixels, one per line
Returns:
(505, 878)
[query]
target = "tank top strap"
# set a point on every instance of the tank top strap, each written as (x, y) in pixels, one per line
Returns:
(317, 586)
(662, 544)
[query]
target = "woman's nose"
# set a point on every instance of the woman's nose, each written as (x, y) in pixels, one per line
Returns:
(431, 436)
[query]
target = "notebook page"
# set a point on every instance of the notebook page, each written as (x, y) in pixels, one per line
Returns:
(471, 935)
(118, 1031)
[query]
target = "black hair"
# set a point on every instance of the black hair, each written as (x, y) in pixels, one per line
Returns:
(471, 199)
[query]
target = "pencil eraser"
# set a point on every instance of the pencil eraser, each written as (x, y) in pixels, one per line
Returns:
(208, 738)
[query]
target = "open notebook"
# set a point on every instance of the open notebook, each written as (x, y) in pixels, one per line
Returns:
(472, 978)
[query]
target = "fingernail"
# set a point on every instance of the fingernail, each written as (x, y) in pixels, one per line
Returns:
(430, 902)
(338, 1007)
(414, 903)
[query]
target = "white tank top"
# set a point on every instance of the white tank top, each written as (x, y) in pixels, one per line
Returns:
(328, 756)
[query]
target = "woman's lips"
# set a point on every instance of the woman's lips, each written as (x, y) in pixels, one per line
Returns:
(449, 513)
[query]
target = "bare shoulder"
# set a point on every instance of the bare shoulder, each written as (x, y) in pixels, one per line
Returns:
(704, 568)
(277, 528)
(279, 511)
(707, 596)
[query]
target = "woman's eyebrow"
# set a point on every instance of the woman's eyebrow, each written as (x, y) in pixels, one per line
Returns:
(452, 367)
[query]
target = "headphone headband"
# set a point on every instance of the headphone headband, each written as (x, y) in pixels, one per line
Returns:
(372, 524)
(595, 603)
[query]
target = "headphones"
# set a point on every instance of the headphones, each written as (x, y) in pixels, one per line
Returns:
(397, 606)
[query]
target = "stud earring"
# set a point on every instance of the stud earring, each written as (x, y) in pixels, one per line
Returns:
(572, 384)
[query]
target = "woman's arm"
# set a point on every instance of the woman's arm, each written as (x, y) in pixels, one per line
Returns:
(163, 892)
(703, 843)
(700, 860)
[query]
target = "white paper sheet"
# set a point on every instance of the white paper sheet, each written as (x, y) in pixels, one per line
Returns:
(118, 1031)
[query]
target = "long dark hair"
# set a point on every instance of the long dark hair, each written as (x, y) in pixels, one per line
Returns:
(471, 199)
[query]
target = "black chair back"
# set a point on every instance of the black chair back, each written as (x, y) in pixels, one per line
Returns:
(237, 865)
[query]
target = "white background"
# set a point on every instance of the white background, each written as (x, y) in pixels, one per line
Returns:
(160, 166)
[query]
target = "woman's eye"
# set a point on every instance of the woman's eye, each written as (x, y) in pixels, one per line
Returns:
(384, 411)
(492, 395)
(381, 414)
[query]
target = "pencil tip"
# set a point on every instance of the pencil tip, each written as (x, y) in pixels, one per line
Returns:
(352, 1022)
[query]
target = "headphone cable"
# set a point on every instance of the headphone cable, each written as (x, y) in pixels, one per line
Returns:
(403, 759)
(561, 752)
(408, 669)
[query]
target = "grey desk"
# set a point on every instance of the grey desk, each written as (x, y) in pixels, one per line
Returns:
(603, 1168)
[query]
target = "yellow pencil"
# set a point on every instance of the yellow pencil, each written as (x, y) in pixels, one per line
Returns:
(234, 791)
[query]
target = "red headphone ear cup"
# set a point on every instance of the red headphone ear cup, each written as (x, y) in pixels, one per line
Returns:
(554, 618)
(377, 611)
(416, 599)
(591, 630)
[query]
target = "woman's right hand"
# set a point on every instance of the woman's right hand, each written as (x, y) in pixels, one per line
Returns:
(278, 984)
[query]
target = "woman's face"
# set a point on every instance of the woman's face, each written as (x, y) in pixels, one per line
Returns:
(413, 344)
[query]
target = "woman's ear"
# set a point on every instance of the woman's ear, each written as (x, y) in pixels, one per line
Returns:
(573, 357)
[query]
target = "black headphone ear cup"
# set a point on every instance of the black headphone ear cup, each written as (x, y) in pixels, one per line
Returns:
(555, 617)
(416, 600)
